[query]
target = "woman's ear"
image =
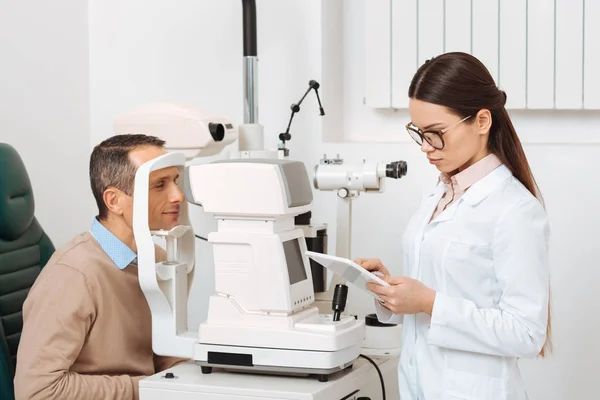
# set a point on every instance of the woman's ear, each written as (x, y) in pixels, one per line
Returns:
(483, 121)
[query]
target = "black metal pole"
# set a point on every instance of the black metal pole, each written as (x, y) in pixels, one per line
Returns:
(249, 15)
(250, 63)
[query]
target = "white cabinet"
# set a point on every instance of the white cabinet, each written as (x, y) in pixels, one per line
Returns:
(544, 53)
(378, 55)
(540, 54)
(512, 50)
(404, 49)
(591, 59)
(569, 54)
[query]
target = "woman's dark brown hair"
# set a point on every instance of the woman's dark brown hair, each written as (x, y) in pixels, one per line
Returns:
(462, 84)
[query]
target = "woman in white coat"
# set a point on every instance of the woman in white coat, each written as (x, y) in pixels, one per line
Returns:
(475, 294)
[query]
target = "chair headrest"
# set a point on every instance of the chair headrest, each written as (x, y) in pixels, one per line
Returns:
(16, 196)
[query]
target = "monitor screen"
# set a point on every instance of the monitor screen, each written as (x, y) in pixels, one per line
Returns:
(295, 263)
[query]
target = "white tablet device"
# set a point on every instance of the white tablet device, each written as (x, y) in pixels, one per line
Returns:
(349, 270)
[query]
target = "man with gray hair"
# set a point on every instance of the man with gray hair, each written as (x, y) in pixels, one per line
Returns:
(87, 330)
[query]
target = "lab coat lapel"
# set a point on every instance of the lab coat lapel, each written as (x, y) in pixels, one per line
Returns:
(476, 193)
(447, 214)
(423, 218)
(482, 189)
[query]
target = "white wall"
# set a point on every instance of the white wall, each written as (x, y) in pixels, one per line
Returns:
(44, 108)
(189, 50)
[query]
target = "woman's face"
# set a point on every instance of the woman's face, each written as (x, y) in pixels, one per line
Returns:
(465, 142)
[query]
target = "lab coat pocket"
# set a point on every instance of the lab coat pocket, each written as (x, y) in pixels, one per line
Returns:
(468, 386)
(468, 269)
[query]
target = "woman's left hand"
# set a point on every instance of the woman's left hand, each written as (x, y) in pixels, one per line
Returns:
(404, 295)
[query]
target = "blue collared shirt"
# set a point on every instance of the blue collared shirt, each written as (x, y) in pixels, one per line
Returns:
(118, 251)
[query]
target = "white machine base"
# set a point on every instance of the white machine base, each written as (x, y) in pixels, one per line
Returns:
(187, 383)
(280, 361)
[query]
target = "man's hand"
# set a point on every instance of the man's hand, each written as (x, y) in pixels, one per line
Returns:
(372, 264)
(404, 295)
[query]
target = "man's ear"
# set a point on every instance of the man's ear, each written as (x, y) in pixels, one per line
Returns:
(112, 198)
(483, 121)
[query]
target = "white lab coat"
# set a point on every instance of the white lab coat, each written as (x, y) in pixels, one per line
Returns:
(486, 256)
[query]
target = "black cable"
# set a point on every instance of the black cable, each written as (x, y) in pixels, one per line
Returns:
(200, 237)
(378, 372)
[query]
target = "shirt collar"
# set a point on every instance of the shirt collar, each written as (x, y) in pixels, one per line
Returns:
(471, 175)
(118, 251)
(485, 186)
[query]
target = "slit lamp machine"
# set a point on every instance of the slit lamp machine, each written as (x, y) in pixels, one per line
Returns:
(275, 328)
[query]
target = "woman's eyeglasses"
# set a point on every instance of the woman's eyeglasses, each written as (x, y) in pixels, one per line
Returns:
(433, 137)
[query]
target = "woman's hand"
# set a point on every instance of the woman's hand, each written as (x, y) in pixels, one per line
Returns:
(404, 295)
(372, 265)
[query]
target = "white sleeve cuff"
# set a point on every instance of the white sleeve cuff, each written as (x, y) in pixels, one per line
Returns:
(438, 320)
(386, 316)
(438, 316)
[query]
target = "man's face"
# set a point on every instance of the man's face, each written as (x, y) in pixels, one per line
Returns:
(164, 197)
